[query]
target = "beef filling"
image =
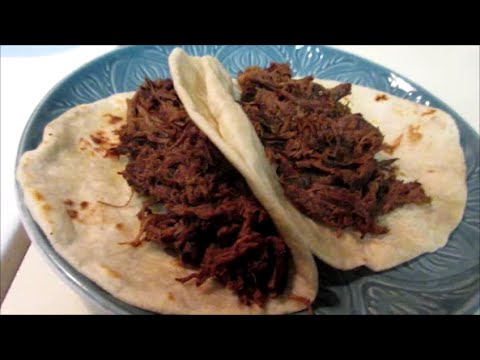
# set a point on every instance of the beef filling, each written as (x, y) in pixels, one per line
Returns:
(324, 154)
(210, 219)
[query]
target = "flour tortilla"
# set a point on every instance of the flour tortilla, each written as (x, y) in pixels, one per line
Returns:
(429, 152)
(68, 165)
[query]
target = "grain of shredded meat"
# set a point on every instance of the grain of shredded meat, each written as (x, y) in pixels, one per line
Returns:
(324, 154)
(210, 220)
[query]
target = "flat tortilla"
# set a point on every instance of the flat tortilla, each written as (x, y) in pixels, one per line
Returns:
(63, 180)
(427, 143)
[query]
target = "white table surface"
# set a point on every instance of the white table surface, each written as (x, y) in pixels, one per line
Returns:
(450, 72)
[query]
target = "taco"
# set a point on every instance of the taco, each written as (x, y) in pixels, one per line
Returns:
(131, 193)
(360, 176)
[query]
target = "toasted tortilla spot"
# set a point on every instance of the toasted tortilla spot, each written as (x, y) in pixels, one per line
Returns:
(99, 138)
(68, 202)
(38, 196)
(171, 296)
(113, 119)
(429, 112)
(381, 97)
(46, 207)
(119, 226)
(390, 148)
(111, 272)
(72, 213)
(413, 134)
(104, 144)
(431, 171)
(84, 204)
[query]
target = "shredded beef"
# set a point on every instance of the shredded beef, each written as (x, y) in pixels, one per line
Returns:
(210, 220)
(324, 155)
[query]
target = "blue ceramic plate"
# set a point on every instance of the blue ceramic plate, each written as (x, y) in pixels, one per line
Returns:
(446, 282)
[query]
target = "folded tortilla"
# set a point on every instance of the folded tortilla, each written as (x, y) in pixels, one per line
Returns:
(429, 152)
(63, 181)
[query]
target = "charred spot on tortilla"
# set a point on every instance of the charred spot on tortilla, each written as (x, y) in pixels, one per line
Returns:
(46, 207)
(103, 144)
(119, 226)
(429, 112)
(84, 204)
(38, 196)
(390, 148)
(68, 202)
(171, 296)
(112, 119)
(381, 97)
(209, 220)
(99, 138)
(73, 214)
(414, 135)
(324, 155)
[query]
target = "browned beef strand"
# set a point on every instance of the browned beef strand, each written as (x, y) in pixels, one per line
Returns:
(211, 219)
(323, 153)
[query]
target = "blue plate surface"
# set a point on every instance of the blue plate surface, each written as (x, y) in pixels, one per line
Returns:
(445, 282)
